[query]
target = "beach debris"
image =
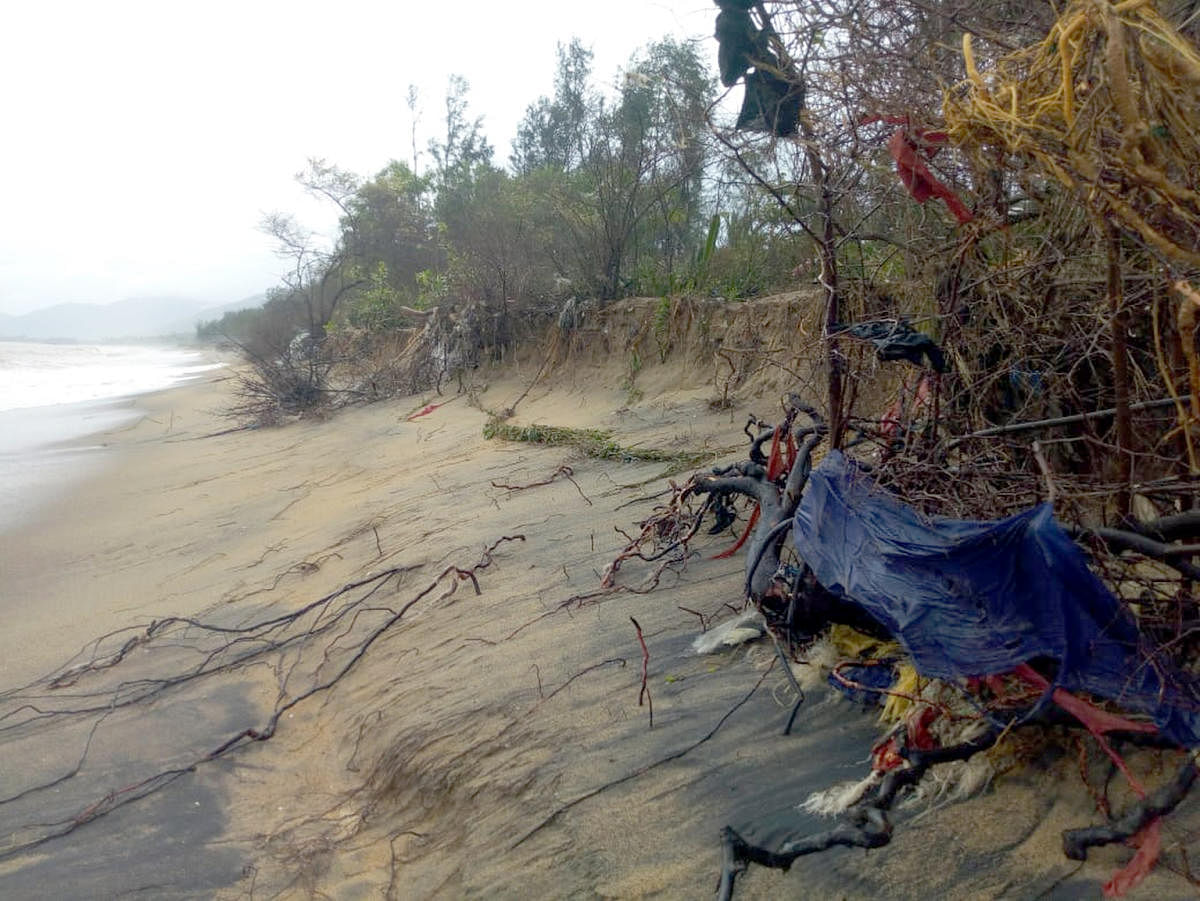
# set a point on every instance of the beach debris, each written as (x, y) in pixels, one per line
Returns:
(575, 312)
(424, 411)
(737, 39)
(912, 149)
(974, 599)
(896, 339)
(1104, 104)
(744, 627)
(965, 631)
(837, 799)
(771, 103)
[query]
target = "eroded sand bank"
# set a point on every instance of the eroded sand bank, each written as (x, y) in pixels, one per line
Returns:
(426, 770)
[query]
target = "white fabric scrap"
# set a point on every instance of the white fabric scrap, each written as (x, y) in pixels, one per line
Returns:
(742, 628)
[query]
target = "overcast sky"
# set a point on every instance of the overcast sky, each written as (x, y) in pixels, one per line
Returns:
(143, 141)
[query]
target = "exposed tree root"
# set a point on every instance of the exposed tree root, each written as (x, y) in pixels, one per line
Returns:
(1076, 842)
(564, 471)
(865, 825)
(641, 771)
(644, 693)
(339, 629)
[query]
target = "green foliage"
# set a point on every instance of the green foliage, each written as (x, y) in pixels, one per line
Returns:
(622, 180)
(635, 366)
(710, 243)
(597, 443)
(633, 394)
(463, 147)
(497, 241)
(232, 326)
(554, 133)
(432, 288)
(689, 280)
(376, 305)
(608, 193)
(390, 221)
(759, 254)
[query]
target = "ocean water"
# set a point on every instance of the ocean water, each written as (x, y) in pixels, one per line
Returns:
(44, 375)
(52, 396)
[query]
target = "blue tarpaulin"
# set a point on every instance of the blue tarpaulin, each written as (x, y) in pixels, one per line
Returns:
(971, 598)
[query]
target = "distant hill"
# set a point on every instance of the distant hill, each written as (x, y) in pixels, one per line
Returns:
(208, 314)
(143, 317)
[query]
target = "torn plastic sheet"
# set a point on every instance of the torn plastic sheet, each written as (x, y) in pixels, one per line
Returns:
(895, 339)
(771, 105)
(969, 599)
(912, 148)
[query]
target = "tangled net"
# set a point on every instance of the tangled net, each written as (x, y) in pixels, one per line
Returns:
(1106, 104)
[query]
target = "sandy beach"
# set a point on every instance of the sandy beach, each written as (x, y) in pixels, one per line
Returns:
(483, 744)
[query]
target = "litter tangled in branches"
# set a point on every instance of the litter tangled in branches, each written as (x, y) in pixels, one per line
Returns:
(1106, 104)
(991, 706)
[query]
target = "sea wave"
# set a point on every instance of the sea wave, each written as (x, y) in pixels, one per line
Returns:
(43, 375)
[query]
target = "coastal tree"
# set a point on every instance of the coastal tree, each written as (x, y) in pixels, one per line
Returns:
(622, 179)
(554, 132)
(390, 231)
(285, 344)
(666, 94)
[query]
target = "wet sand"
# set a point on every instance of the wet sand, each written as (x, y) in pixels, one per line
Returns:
(427, 769)
(43, 454)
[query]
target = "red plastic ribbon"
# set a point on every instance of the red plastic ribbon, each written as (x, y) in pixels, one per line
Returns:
(1148, 839)
(425, 411)
(910, 148)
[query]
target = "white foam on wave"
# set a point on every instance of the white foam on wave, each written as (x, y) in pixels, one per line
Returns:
(52, 394)
(44, 375)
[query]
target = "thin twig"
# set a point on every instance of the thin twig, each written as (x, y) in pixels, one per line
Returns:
(641, 771)
(1046, 474)
(644, 694)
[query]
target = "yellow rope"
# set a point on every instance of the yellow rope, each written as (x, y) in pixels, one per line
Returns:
(1106, 104)
(1187, 337)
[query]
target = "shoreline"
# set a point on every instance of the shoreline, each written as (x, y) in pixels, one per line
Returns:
(48, 448)
(71, 502)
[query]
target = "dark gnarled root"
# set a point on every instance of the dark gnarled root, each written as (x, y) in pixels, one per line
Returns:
(866, 824)
(1076, 842)
(867, 828)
